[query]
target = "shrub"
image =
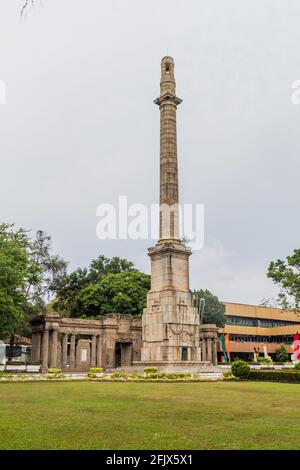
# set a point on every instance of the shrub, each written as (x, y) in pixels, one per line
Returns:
(150, 370)
(292, 376)
(136, 376)
(240, 369)
(119, 376)
(55, 374)
(96, 370)
(156, 375)
(281, 354)
(227, 374)
(5, 375)
(92, 374)
(54, 371)
(297, 366)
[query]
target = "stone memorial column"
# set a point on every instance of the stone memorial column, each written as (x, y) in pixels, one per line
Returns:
(65, 352)
(54, 340)
(99, 361)
(215, 353)
(203, 344)
(45, 350)
(209, 350)
(93, 355)
(72, 352)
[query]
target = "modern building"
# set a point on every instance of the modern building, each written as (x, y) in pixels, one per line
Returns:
(251, 328)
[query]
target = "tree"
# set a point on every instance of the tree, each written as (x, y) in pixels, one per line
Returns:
(28, 276)
(124, 292)
(286, 274)
(214, 310)
(80, 292)
(281, 354)
(14, 268)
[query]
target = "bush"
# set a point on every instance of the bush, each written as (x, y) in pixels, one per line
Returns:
(54, 371)
(136, 376)
(55, 374)
(240, 369)
(5, 375)
(297, 366)
(292, 376)
(96, 370)
(227, 374)
(281, 354)
(119, 375)
(150, 370)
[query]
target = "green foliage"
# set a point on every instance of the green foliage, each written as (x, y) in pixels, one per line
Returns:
(119, 376)
(214, 310)
(240, 369)
(96, 370)
(6, 375)
(150, 370)
(275, 375)
(168, 375)
(281, 355)
(27, 273)
(297, 366)
(14, 272)
(54, 374)
(92, 374)
(227, 375)
(286, 275)
(107, 286)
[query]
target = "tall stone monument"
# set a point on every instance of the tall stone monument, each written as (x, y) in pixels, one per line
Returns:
(170, 323)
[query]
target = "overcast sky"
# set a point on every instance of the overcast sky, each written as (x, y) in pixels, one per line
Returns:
(80, 127)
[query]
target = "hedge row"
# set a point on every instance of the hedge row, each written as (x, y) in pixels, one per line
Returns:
(275, 375)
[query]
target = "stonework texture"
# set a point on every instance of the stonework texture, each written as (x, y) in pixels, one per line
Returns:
(170, 321)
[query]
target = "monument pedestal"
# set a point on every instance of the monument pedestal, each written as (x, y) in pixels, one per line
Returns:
(170, 323)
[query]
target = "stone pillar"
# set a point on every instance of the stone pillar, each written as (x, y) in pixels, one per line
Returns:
(59, 351)
(99, 355)
(36, 347)
(54, 339)
(72, 352)
(169, 198)
(203, 344)
(45, 350)
(209, 350)
(215, 354)
(65, 352)
(93, 355)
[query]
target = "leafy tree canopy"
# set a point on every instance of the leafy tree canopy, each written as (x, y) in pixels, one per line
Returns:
(106, 286)
(214, 310)
(286, 275)
(28, 274)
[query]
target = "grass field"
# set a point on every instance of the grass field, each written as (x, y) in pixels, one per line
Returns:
(90, 415)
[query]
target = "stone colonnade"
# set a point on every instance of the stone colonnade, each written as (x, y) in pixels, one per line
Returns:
(75, 344)
(52, 351)
(208, 339)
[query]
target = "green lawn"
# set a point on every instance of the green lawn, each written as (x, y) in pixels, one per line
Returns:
(87, 415)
